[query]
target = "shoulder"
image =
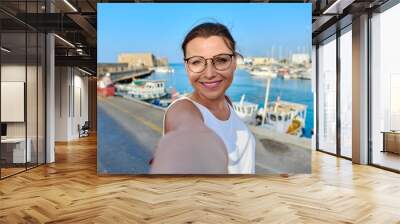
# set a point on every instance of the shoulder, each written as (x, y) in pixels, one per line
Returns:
(181, 114)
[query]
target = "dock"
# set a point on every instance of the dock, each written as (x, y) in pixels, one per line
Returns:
(129, 130)
(130, 74)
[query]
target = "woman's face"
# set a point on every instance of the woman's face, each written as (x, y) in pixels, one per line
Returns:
(210, 83)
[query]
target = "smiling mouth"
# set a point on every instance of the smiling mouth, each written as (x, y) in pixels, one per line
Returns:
(211, 85)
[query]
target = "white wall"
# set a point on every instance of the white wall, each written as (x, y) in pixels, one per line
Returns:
(13, 73)
(62, 80)
(71, 93)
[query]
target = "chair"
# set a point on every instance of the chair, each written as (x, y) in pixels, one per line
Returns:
(84, 130)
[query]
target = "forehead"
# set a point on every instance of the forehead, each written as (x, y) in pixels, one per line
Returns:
(207, 47)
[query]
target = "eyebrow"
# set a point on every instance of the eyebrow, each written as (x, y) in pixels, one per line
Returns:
(211, 57)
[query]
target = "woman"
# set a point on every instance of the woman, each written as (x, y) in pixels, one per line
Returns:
(202, 133)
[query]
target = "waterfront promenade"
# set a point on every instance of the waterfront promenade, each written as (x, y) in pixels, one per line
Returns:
(128, 132)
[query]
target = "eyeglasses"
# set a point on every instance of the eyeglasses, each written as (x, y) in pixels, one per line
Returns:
(220, 62)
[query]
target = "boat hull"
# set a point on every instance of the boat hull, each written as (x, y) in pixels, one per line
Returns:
(107, 91)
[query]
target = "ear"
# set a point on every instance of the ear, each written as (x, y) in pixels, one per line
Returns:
(186, 68)
(234, 63)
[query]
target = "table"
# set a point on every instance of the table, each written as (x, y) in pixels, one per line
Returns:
(391, 141)
(18, 151)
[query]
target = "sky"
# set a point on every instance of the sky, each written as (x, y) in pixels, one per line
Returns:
(259, 29)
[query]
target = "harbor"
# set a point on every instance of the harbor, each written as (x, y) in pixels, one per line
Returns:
(272, 97)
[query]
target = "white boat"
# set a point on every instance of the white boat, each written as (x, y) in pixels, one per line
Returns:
(283, 73)
(164, 69)
(262, 72)
(122, 88)
(305, 73)
(247, 111)
(143, 89)
(284, 117)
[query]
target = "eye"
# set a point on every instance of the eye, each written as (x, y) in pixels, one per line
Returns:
(196, 61)
(222, 59)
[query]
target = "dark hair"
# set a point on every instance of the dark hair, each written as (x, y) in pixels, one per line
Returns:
(209, 29)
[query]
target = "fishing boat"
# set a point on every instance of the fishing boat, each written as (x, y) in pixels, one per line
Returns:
(247, 111)
(283, 117)
(166, 100)
(147, 89)
(143, 89)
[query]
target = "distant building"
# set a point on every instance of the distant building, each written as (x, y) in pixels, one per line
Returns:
(103, 68)
(162, 62)
(300, 58)
(262, 60)
(138, 59)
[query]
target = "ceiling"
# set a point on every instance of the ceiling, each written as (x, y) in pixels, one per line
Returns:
(76, 22)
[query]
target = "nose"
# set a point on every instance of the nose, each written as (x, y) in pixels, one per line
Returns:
(209, 72)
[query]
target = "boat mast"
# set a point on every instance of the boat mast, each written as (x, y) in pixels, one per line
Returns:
(242, 99)
(266, 100)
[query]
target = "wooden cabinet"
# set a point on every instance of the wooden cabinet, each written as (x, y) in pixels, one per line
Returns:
(391, 141)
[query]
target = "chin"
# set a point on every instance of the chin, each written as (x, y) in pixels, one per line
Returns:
(211, 95)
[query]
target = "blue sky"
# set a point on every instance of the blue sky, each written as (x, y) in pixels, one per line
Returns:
(160, 27)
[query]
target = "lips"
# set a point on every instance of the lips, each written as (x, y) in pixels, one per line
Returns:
(211, 85)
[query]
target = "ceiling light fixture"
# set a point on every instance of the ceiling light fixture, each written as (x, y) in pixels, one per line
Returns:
(86, 72)
(5, 49)
(337, 7)
(64, 40)
(70, 5)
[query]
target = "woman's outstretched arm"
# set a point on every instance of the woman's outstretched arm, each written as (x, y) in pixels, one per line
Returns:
(188, 146)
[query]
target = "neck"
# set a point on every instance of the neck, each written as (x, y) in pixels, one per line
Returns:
(212, 104)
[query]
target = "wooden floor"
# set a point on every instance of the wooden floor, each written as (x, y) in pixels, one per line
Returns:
(70, 191)
(10, 171)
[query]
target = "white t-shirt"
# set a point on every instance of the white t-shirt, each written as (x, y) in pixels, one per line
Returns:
(238, 139)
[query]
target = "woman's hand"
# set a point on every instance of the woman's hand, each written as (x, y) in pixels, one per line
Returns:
(190, 152)
(188, 146)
